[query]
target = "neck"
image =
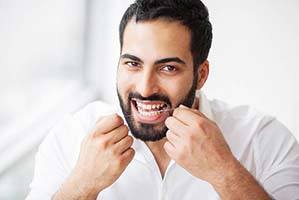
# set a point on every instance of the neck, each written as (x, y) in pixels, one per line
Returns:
(160, 154)
(195, 104)
(157, 148)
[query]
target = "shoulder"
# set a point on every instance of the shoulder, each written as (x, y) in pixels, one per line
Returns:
(240, 116)
(249, 130)
(89, 114)
(240, 125)
(248, 119)
(67, 134)
(82, 121)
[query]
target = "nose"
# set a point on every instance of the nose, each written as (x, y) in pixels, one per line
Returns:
(147, 83)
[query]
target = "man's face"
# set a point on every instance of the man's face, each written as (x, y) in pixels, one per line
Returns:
(155, 75)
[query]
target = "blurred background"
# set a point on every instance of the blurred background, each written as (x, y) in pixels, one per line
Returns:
(58, 55)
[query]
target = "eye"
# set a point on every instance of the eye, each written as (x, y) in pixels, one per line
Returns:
(132, 64)
(169, 68)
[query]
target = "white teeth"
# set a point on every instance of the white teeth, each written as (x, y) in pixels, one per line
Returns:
(149, 109)
(148, 106)
(151, 113)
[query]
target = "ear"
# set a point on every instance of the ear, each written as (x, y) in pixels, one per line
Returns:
(203, 73)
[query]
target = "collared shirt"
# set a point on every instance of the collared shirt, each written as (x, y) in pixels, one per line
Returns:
(262, 144)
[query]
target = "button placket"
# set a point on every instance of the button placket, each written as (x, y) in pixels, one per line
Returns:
(164, 194)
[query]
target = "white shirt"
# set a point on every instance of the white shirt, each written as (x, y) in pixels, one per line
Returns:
(262, 144)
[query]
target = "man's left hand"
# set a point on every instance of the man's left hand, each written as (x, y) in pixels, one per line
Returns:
(197, 144)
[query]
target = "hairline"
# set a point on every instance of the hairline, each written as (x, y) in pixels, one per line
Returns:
(165, 19)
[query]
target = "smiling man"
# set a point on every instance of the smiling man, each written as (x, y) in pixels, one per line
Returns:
(174, 143)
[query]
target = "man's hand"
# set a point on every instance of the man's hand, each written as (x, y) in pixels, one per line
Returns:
(104, 155)
(197, 144)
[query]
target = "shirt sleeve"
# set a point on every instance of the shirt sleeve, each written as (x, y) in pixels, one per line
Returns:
(277, 156)
(52, 164)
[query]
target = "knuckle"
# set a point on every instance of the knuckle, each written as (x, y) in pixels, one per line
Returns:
(200, 122)
(125, 142)
(169, 120)
(114, 151)
(118, 163)
(191, 137)
(168, 134)
(117, 119)
(166, 145)
(103, 143)
(130, 139)
(177, 111)
(123, 159)
(131, 153)
(188, 138)
(207, 136)
(124, 129)
(180, 155)
(184, 149)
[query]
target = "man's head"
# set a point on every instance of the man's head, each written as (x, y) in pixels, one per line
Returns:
(164, 50)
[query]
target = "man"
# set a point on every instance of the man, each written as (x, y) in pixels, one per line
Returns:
(175, 143)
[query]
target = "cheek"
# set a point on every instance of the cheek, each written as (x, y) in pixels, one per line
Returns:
(177, 89)
(120, 78)
(123, 82)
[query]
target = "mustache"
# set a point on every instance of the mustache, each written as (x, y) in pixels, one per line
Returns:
(153, 97)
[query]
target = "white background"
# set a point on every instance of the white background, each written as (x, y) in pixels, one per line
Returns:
(254, 57)
(54, 51)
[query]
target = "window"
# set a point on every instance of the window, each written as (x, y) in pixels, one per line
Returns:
(53, 60)
(41, 70)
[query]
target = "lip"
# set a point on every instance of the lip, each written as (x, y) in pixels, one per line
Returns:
(149, 119)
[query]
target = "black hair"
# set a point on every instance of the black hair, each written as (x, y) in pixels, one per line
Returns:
(191, 13)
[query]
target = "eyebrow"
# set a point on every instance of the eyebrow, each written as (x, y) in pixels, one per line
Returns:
(161, 61)
(171, 59)
(131, 57)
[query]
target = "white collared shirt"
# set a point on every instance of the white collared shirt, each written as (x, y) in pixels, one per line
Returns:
(262, 144)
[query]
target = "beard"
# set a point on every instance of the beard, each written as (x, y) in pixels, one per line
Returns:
(152, 132)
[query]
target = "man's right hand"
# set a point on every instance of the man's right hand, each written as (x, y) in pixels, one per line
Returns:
(104, 155)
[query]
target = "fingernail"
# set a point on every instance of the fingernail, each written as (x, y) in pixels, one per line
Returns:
(168, 132)
(183, 106)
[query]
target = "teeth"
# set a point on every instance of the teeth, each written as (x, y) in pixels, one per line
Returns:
(151, 113)
(148, 107)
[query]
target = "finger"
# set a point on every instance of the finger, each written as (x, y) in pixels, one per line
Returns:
(176, 125)
(187, 116)
(123, 145)
(127, 156)
(170, 149)
(117, 134)
(172, 137)
(195, 111)
(107, 124)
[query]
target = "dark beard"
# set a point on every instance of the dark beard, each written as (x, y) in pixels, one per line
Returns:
(148, 132)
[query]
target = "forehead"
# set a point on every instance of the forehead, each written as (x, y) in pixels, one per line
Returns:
(156, 39)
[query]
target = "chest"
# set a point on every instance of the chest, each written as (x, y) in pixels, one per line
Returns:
(143, 181)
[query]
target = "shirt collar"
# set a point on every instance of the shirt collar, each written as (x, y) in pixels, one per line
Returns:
(204, 105)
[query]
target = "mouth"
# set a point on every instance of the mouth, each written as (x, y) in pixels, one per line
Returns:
(150, 112)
